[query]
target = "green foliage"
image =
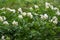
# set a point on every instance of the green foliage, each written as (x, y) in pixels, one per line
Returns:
(29, 29)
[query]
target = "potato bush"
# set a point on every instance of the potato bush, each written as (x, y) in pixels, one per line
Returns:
(29, 20)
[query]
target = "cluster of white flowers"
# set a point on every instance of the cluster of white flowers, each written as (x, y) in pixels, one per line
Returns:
(4, 18)
(54, 20)
(29, 14)
(24, 13)
(58, 12)
(3, 37)
(36, 6)
(12, 10)
(20, 10)
(2, 8)
(53, 8)
(45, 16)
(20, 16)
(9, 9)
(1, 18)
(47, 5)
(6, 23)
(15, 23)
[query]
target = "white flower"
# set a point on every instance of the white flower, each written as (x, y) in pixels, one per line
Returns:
(8, 8)
(6, 23)
(51, 20)
(23, 13)
(12, 10)
(45, 16)
(15, 23)
(58, 13)
(55, 21)
(4, 18)
(2, 8)
(20, 16)
(1, 19)
(47, 4)
(42, 16)
(20, 10)
(3, 37)
(51, 6)
(55, 8)
(54, 18)
(36, 6)
(29, 15)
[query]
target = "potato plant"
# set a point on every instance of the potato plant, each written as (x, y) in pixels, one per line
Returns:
(29, 20)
